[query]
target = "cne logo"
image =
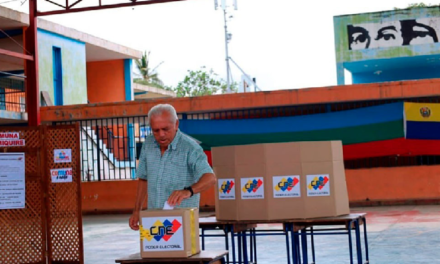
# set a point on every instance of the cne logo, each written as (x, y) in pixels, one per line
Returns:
(286, 184)
(226, 187)
(318, 182)
(425, 112)
(160, 230)
(252, 186)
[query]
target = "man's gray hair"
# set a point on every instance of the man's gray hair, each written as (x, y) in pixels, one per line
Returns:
(160, 109)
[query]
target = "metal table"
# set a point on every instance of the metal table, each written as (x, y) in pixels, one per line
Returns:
(295, 230)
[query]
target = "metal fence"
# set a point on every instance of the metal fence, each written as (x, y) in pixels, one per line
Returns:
(110, 148)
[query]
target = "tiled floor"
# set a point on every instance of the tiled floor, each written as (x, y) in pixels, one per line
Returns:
(396, 235)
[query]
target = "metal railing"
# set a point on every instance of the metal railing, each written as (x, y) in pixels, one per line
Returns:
(12, 100)
(110, 148)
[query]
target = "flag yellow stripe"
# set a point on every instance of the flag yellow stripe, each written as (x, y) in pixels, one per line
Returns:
(413, 112)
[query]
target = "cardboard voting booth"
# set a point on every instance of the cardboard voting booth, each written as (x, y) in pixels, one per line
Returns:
(169, 233)
(276, 181)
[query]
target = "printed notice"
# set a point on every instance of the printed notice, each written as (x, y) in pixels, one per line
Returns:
(162, 233)
(226, 189)
(318, 185)
(61, 175)
(252, 188)
(62, 155)
(12, 181)
(286, 186)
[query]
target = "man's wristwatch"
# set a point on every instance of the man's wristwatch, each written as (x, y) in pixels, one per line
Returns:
(190, 190)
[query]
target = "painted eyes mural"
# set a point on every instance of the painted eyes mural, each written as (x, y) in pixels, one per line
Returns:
(393, 33)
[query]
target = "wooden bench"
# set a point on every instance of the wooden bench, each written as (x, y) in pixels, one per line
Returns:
(204, 257)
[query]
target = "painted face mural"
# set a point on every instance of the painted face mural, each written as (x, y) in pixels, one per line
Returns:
(392, 34)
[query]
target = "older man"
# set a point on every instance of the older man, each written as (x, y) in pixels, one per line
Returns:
(174, 165)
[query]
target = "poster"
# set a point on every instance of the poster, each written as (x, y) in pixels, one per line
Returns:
(12, 181)
(11, 139)
(62, 155)
(61, 175)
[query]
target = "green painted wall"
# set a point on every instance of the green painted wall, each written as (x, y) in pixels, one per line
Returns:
(73, 57)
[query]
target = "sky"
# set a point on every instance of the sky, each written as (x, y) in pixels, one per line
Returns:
(284, 44)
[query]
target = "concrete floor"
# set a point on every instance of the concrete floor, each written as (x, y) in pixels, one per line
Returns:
(396, 235)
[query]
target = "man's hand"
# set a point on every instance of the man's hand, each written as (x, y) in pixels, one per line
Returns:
(177, 197)
(134, 221)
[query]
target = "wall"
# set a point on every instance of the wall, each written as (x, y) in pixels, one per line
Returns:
(385, 185)
(73, 56)
(388, 184)
(105, 81)
(365, 43)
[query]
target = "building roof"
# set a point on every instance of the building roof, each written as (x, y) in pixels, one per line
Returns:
(147, 92)
(97, 49)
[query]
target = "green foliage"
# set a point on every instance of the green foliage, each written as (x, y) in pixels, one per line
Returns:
(416, 5)
(149, 76)
(203, 82)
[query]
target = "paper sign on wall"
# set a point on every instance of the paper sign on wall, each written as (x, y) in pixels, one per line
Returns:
(162, 233)
(11, 139)
(286, 186)
(61, 175)
(226, 189)
(318, 185)
(62, 155)
(252, 188)
(12, 181)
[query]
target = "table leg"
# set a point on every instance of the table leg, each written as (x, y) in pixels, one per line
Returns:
(245, 253)
(231, 228)
(286, 230)
(366, 240)
(304, 245)
(239, 248)
(203, 239)
(226, 242)
(350, 242)
(292, 240)
(255, 244)
(313, 244)
(358, 241)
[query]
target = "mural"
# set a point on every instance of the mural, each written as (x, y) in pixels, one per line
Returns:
(393, 33)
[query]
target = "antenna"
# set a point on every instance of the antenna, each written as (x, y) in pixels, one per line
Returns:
(228, 37)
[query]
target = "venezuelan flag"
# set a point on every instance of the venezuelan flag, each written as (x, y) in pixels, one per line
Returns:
(422, 121)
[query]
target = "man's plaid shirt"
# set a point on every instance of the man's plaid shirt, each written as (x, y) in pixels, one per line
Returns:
(181, 165)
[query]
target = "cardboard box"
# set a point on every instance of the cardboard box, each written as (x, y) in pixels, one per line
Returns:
(280, 181)
(169, 233)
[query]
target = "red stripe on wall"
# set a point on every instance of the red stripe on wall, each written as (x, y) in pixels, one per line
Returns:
(399, 146)
(208, 154)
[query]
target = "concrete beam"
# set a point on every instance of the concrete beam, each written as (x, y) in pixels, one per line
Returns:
(344, 93)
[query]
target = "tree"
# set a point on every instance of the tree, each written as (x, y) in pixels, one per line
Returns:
(202, 82)
(416, 5)
(149, 76)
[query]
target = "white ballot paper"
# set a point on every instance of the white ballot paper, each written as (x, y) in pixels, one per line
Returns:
(167, 206)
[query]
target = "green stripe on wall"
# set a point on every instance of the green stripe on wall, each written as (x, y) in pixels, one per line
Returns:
(348, 135)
